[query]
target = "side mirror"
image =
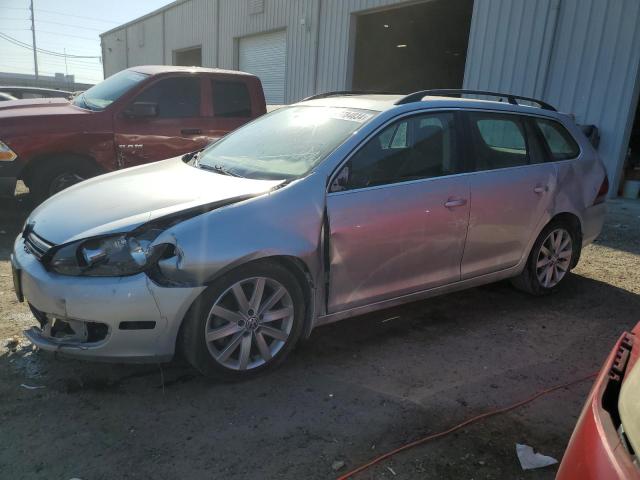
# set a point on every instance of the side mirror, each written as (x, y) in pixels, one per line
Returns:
(142, 110)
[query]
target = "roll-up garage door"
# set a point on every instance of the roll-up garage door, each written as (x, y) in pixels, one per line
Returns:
(265, 56)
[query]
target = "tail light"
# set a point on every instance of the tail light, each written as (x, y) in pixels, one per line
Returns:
(602, 193)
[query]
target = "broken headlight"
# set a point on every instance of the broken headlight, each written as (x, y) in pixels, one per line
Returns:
(111, 256)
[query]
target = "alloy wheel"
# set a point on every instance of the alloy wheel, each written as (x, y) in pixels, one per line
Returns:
(554, 258)
(249, 323)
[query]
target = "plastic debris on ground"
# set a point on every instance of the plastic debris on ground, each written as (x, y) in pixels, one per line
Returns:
(31, 387)
(530, 460)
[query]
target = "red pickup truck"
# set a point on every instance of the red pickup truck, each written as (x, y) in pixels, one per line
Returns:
(139, 115)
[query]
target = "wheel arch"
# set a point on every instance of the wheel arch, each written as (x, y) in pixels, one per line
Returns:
(35, 163)
(574, 222)
(294, 265)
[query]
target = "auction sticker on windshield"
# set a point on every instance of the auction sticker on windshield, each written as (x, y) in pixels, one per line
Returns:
(351, 115)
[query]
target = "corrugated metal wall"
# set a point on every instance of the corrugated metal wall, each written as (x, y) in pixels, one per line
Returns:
(296, 18)
(145, 41)
(325, 24)
(580, 55)
(190, 24)
(114, 51)
(335, 40)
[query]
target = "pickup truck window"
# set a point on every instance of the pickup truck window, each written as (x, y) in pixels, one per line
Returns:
(230, 99)
(177, 97)
(102, 95)
(284, 144)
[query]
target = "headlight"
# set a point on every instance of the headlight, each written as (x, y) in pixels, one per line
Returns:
(112, 256)
(6, 154)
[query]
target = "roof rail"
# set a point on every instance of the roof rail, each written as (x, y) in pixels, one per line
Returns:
(340, 93)
(512, 99)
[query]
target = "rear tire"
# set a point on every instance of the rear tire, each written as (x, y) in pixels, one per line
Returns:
(550, 260)
(58, 173)
(245, 323)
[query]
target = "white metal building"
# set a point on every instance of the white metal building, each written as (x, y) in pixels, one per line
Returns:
(582, 56)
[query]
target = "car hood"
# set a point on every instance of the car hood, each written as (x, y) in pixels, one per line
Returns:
(122, 200)
(38, 107)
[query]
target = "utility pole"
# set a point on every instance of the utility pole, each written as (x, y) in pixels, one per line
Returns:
(33, 33)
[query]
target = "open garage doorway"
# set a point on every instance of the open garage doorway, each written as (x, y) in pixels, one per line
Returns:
(411, 48)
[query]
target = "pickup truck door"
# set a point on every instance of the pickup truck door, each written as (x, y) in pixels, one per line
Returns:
(177, 127)
(229, 103)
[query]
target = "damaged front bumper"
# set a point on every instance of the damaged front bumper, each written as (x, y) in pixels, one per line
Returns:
(120, 319)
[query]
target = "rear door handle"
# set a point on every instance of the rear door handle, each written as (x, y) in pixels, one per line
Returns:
(539, 189)
(459, 202)
(191, 131)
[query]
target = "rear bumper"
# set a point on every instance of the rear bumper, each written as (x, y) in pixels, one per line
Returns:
(104, 301)
(595, 450)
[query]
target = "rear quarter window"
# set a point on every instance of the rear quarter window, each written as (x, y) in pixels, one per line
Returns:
(559, 141)
(230, 99)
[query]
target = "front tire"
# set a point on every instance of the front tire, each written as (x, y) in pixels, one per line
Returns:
(58, 173)
(550, 260)
(245, 323)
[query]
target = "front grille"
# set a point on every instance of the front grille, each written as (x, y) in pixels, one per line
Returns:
(36, 245)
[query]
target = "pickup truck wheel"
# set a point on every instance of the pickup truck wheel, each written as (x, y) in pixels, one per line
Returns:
(245, 323)
(58, 174)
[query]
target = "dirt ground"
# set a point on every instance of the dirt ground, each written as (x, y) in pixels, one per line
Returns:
(356, 389)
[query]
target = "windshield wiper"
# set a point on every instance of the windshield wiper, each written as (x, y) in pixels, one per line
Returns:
(218, 169)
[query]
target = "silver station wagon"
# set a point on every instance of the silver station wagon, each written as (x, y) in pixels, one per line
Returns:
(336, 206)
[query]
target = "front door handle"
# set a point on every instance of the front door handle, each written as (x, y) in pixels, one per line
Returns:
(459, 202)
(191, 131)
(540, 189)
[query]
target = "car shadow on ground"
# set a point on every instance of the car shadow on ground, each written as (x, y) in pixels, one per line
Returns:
(425, 324)
(354, 389)
(13, 213)
(382, 379)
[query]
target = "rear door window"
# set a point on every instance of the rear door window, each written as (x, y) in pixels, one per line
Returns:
(499, 141)
(560, 143)
(177, 97)
(230, 99)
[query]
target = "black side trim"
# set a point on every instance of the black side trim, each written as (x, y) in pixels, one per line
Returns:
(137, 325)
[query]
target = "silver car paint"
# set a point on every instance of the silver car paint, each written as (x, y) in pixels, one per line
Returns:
(416, 242)
(290, 222)
(121, 200)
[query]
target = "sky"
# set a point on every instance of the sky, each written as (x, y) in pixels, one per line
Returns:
(71, 25)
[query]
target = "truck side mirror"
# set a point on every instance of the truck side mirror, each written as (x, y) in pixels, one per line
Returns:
(142, 110)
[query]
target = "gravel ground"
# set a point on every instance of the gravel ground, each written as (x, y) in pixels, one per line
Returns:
(356, 389)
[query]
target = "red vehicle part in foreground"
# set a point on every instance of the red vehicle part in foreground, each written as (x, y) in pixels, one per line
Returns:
(596, 450)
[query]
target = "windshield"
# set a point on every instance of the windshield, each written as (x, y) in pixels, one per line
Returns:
(284, 144)
(102, 95)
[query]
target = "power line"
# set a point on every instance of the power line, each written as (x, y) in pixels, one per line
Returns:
(19, 43)
(68, 15)
(70, 25)
(68, 35)
(80, 16)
